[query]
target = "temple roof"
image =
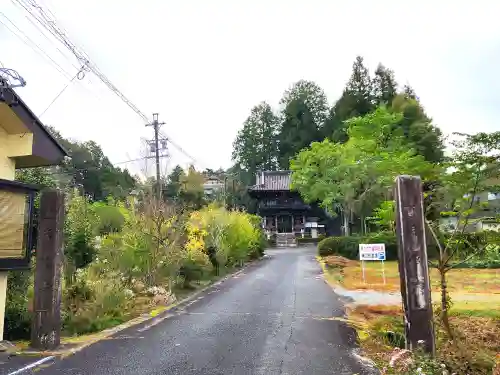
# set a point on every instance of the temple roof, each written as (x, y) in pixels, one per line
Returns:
(272, 181)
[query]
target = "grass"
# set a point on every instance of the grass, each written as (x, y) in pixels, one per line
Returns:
(474, 315)
(459, 280)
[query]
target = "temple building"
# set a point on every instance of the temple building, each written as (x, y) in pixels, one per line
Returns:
(284, 213)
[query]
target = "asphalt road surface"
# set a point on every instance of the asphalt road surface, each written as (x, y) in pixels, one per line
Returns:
(271, 318)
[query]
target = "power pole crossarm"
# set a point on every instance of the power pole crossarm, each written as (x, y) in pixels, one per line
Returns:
(156, 148)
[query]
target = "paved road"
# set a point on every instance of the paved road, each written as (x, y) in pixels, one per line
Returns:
(269, 319)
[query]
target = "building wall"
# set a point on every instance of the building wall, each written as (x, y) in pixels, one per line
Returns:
(15, 141)
(9, 146)
(7, 165)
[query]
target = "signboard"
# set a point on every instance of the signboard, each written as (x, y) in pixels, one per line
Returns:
(12, 224)
(16, 224)
(375, 251)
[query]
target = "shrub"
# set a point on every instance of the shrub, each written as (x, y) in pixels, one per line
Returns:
(17, 313)
(110, 218)
(489, 258)
(195, 266)
(228, 238)
(348, 247)
(343, 246)
(79, 233)
(301, 240)
(328, 246)
(96, 302)
(258, 248)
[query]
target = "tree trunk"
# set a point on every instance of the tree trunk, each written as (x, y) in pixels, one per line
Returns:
(347, 231)
(444, 304)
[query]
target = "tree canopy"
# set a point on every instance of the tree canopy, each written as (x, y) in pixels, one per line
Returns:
(354, 176)
(256, 145)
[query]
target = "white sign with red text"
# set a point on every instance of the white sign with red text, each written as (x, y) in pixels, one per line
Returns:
(372, 251)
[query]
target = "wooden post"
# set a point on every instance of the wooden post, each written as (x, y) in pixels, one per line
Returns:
(46, 325)
(413, 269)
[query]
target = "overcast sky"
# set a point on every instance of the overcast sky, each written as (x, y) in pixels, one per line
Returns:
(203, 64)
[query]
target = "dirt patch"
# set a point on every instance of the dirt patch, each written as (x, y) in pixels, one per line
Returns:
(474, 350)
(370, 312)
(334, 261)
(374, 309)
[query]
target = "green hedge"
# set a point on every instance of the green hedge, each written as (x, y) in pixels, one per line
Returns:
(481, 264)
(301, 240)
(348, 247)
(343, 246)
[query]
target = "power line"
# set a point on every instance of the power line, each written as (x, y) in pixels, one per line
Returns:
(94, 168)
(49, 23)
(80, 74)
(44, 35)
(37, 49)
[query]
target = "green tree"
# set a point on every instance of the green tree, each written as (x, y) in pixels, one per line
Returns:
(357, 175)
(237, 183)
(384, 85)
(191, 193)
(418, 129)
(356, 100)
(471, 170)
(40, 176)
(359, 89)
(90, 169)
(409, 93)
(313, 97)
(80, 227)
(255, 146)
(172, 186)
(305, 109)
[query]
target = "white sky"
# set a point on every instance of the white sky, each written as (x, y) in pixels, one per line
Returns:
(204, 64)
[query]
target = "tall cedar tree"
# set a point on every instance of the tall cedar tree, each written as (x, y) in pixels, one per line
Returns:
(305, 109)
(255, 146)
(417, 127)
(356, 100)
(385, 86)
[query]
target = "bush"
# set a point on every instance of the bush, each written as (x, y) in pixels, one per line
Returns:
(489, 258)
(94, 302)
(229, 238)
(17, 313)
(348, 247)
(111, 219)
(257, 250)
(195, 266)
(304, 240)
(79, 233)
(17, 319)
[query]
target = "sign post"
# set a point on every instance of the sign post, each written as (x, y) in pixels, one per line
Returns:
(372, 252)
(413, 270)
(46, 324)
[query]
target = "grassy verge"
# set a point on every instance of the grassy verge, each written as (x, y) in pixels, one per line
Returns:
(475, 315)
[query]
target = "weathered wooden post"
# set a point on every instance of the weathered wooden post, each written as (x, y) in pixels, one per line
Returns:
(413, 269)
(46, 325)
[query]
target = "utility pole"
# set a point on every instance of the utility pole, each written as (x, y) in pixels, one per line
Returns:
(155, 147)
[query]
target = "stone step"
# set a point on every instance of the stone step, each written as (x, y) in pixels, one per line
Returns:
(285, 239)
